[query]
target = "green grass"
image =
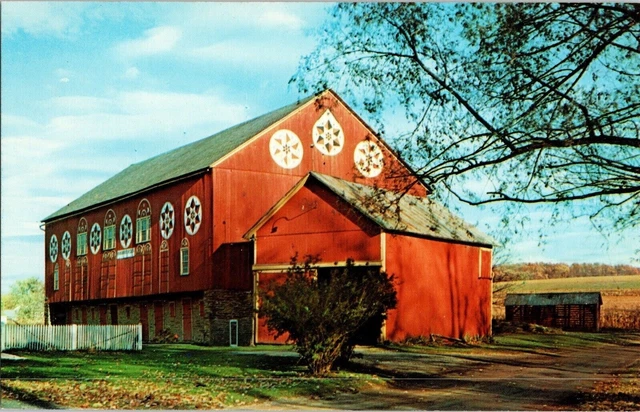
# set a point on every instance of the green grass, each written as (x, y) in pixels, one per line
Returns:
(585, 284)
(186, 376)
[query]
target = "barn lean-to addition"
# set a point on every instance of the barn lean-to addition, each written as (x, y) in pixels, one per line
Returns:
(182, 242)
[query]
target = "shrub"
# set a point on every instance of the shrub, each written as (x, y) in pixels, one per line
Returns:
(322, 310)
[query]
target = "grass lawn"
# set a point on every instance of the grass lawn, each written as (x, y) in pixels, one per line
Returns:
(175, 376)
(169, 376)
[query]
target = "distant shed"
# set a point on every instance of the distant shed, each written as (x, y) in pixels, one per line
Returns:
(578, 310)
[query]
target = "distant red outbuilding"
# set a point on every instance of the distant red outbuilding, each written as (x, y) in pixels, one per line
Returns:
(181, 242)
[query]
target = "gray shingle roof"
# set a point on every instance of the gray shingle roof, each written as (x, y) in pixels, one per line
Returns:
(552, 299)
(184, 161)
(408, 214)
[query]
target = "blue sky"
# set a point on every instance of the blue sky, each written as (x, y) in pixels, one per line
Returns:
(89, 88)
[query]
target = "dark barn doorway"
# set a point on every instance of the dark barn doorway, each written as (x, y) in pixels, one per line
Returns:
(371, 332)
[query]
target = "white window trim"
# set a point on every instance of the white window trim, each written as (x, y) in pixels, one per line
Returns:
(184, 250)
(82, 247)
(56, 277)
(109, 242)
(139, 231)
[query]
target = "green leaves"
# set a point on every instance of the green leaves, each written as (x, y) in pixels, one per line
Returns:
(488, 88)
(323, 310)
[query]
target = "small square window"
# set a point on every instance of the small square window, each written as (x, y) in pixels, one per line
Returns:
(82, 247)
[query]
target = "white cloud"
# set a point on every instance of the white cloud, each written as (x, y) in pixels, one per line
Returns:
(80, 104)
(131, 73)
(280, 19)
(64, 80)
(42, 18)
(41, 163)
(247, 53)
(157, 40)
(142, 115)
(246, 17)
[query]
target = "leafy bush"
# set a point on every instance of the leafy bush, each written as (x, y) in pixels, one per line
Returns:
(324, 310)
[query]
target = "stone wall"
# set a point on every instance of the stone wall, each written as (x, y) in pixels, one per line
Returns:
(223, 306)
(173, 322)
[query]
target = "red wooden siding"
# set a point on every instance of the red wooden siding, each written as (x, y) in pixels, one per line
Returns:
(114, 278)
(316, 222)
(248, 183)
(264, 335)
(439, 289)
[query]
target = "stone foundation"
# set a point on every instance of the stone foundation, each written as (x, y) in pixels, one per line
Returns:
(223, 306)
(211, 313)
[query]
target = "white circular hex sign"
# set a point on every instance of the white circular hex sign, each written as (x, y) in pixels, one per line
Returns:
(167, 220)
(66, 245)
(53, 248)
(192, 215)
(95, 238)
(126, 231)
(327, 135)
(286, 149)
(368, 158)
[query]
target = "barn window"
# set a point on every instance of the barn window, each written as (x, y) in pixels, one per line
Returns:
(143, 222)
(109, 241)
(81, 244)
(143, 229)
(56, 277)
(184, 257)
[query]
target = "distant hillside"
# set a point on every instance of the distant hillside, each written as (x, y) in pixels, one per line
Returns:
(535, 271)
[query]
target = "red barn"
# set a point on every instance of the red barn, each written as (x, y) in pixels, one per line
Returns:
(181, 242)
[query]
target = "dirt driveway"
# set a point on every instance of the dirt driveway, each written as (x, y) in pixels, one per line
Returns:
(483, 379)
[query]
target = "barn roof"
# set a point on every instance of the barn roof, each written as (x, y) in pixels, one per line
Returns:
(551, 299)
(406, 214)
(191, 159)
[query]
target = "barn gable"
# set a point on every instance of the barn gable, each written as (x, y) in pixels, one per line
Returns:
(195, 158)
(409, 214)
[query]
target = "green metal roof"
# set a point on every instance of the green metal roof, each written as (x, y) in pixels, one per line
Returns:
(182, 162)
(407, 214)
(552, 299)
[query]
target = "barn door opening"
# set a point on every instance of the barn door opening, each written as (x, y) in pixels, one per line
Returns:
(186, 319)
(114, 314)
(158, 316)
(144, 320)
(371, 332)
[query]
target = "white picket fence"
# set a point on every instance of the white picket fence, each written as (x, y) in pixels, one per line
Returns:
(71, 337)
